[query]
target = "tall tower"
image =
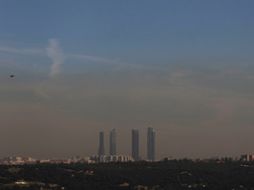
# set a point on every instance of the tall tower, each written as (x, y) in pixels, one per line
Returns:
(135, 144)
(112, 142)
(101, 150)
(151, 144)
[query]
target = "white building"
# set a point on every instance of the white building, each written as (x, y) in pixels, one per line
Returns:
(111, 158)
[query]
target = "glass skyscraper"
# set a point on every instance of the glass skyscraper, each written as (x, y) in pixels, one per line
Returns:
(112, 142)
(135, 144)
(151, 144)
(101, 150)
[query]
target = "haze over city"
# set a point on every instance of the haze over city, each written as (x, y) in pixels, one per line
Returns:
(184, 68)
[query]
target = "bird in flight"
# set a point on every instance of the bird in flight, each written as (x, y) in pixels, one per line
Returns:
(12, 76)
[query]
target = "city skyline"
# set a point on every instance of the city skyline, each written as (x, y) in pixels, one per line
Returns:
(69, 69)
(134, 144)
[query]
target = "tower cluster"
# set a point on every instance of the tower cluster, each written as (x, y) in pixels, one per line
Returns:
(134, 144)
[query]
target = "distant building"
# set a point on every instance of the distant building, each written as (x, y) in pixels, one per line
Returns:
(112, 142)
(113, 158)
(101, 150)
(151, 144)
(247, 157)
(135, 144)
(17, 160)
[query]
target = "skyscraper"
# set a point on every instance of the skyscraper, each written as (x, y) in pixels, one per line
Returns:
(151, 144)
(135, 144)
(112, 142)
(101, 150)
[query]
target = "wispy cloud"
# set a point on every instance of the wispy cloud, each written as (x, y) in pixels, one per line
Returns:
(55, 53)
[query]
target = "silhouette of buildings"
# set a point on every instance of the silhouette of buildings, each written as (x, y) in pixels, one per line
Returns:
(112, 142)
(101, 150)
(110, 158)
(135, 144)
(247, 157)
(150, 144)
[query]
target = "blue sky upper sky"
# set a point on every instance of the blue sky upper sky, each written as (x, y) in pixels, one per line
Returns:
(184, 67)
(142, 31)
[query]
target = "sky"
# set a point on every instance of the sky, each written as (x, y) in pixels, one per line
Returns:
(183, 67)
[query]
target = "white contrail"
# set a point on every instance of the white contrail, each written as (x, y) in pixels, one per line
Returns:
(55, 53)
(91, 58)
(22, 51)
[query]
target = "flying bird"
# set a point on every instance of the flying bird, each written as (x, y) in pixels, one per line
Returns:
(12, 76)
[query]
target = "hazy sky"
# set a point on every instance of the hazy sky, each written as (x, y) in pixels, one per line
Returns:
(183, 67)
